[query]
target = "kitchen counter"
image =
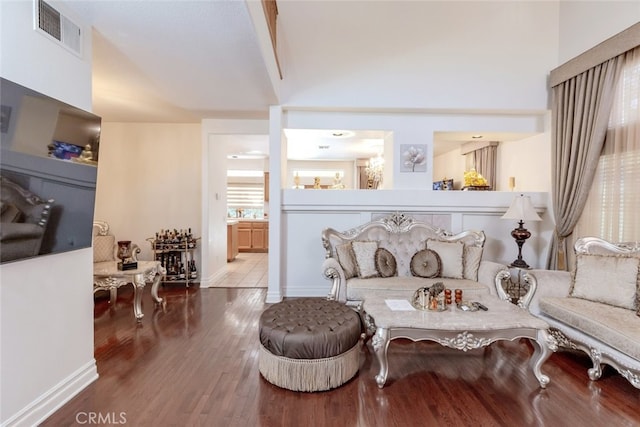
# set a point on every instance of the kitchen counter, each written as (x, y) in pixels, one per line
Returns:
(248, 219)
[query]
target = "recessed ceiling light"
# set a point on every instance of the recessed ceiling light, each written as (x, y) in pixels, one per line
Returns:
(342, 133)
(476, 136)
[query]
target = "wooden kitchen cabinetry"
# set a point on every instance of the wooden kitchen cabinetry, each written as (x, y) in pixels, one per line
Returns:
(253, 236)
(232, 241)
(244, 236)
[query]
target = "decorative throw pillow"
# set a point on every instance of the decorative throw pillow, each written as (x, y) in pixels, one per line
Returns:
(364, 253)
(471, 262)
(103, 248)
(345, 258)
(385, 263)
(611, 280)
(451, 257)
(425, 263)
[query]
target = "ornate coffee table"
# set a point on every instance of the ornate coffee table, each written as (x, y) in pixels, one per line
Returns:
(106, 276)
(458, 329)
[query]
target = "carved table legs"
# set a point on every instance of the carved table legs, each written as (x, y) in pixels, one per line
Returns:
(544, 344)
(139, 281)
(380, 342)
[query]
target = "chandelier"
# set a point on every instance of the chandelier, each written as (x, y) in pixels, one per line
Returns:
(374, 170)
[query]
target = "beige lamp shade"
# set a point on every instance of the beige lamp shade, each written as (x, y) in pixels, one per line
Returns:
(522, 209)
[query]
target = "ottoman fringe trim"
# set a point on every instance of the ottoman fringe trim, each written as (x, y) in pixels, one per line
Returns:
(309, 374)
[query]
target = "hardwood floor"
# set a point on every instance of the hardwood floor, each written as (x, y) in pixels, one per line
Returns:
(195, 363)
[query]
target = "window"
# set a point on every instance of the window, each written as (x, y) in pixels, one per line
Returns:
(612, 208)
(245, 194)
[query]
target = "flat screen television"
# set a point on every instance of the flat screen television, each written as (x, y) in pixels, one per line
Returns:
(48, 171)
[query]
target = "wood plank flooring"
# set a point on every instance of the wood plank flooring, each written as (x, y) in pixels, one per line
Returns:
(195, 363)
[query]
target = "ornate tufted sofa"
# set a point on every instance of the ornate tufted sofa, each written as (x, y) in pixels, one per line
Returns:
(399, 238)
(596, 308)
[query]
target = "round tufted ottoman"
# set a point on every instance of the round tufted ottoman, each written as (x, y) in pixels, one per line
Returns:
(309, 344)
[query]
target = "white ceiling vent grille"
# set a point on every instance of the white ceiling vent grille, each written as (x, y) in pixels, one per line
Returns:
(48, 20)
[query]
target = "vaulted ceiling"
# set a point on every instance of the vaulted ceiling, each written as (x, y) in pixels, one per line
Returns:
(175, 61)
(182, 61)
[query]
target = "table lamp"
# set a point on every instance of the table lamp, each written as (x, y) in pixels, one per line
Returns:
(521, 210)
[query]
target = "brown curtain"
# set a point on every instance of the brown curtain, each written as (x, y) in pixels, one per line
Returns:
(485, 160)
(580, 114)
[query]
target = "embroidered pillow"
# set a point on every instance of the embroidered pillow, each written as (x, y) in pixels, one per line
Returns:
(611, 280)
(345, 258)
(450, 254)
(425, 263)
(471, 262)
(385, 263)
(364, 253)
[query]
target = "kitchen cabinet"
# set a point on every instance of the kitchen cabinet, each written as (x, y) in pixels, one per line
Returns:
(232, 241)
(257, 235)
(253, 236)
(244, 236)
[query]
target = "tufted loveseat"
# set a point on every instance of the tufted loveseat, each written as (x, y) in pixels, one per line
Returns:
(399, 238)
(596, 308)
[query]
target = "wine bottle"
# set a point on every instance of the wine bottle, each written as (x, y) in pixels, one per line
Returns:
(183, 274)
(193, 272)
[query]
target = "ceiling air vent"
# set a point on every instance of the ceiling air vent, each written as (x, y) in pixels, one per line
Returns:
(50, 21)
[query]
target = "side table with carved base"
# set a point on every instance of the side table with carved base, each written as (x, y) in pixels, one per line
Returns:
(460, 330)
(106, 276)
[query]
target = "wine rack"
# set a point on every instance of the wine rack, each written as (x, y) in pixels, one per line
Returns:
(175, 251)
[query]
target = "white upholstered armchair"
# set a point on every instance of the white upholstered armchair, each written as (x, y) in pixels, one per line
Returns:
(105, 248)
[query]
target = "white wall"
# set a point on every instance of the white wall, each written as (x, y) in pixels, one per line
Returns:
(418, 54)
(46, 304)
(450, 165)
(528, 160)
(584, 24)
(149, 179)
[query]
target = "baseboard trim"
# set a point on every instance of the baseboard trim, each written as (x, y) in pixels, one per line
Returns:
(209, 281)
(53, 399)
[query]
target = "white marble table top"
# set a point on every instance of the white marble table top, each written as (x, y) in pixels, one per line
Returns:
(110, 268)
(501, 315)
